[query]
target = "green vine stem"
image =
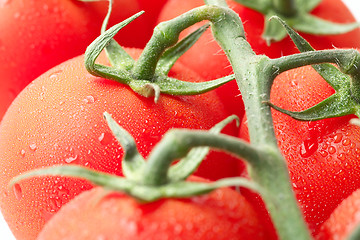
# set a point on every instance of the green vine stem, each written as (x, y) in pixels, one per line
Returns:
(255, 75)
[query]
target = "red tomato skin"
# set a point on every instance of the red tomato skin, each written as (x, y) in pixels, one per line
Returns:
(322, 156)
(39, 34)
(57, 119)
(222, 214)
(344, 219)
(210, 61)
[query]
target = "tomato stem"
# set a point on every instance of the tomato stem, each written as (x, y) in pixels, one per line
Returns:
(177, 143)
(166, 34)
(254, 75)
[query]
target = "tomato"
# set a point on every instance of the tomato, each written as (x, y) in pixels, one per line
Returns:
(57, 119)
(322, 156)
(39, 34)
(95, 214)
(208, 59)
(343, 221)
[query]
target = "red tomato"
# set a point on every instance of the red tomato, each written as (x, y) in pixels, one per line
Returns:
(343, 221)
(98, 214)
(208, 59)
(322, 156)
(58, 119)
(39, 34)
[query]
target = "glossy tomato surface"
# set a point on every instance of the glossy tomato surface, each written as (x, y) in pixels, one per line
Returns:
(98, 214)
(39, 34)
(58, 119)
(323, 156)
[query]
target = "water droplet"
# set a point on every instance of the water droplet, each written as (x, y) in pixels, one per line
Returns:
(105, 138)
(332, 150)
(71, 159)
(22, 152)
(308, 147)
(33, 146)
(346, 142)
(323, 153)
(338, 138)
(17, 191)
(55, 74)
(89, 99)
(341, 156)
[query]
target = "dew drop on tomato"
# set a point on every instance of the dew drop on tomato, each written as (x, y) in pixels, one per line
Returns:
(17, 191)
(33, 146)
(89, 99)
(308, 148)
(332, 150)
(54, 75)
(22, 152)
(105, 138)
(71, 159)
(338, 138)
(346, 142)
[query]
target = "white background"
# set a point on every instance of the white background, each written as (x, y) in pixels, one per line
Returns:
(5, 233)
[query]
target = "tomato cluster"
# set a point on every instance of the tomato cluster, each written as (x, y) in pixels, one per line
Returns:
(52, 109)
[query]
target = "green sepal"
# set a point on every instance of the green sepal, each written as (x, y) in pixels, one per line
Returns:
(173, 86)
(118, 57)
(273, 31)
(132, 161)
(187, 165)
(94, 49)
(171, 55)
(177, 87)
(332, 75)
(341, 103)
(115, 53)
(143, 193)
(98, 178)
(308, 23)
(336, 105)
